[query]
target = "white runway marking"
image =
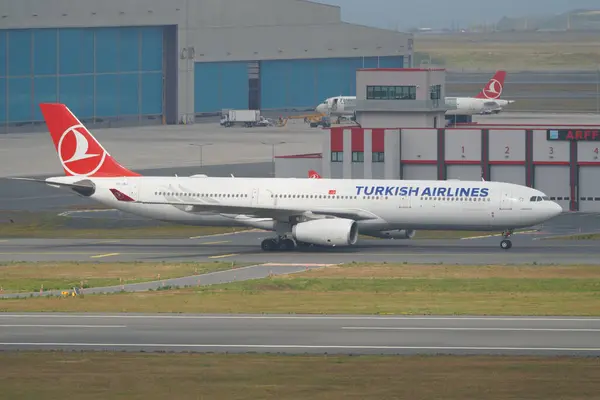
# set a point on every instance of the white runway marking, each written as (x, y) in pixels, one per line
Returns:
(105, 255)
(63, 326)
(301, 346)
(226, 234)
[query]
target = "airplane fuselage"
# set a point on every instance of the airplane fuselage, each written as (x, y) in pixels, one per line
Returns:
(345, 106)
(385, 204)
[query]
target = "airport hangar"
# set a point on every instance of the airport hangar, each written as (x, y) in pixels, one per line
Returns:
(133, 62)
(399, 137)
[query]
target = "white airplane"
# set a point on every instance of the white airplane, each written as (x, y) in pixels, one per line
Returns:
(302, 212)
(488, 100)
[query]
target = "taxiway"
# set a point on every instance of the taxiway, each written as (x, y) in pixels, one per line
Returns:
(302, 334)
(245, 248)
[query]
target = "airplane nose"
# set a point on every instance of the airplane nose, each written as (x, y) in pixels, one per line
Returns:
(320, 109)
(555, 209)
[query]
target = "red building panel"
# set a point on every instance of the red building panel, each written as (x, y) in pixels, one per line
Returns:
(378, 140)
(358, 139)
(337, 139)
(507, 162)
(567, 163)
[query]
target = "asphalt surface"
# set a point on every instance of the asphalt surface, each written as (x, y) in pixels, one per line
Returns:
(302, 334)
(245, 248)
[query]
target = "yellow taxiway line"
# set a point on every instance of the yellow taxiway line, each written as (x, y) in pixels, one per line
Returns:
(105, 255)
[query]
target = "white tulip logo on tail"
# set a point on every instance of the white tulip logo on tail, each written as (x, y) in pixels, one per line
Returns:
(312, 174)
(79, 153)
(493, 90)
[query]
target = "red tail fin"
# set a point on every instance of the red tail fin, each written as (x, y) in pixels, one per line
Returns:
(493, 89)
(313, 174)
(78, 151)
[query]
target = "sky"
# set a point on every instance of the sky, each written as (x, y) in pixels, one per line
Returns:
(403, 14)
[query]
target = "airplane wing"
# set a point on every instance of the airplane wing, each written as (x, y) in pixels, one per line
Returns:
(258, 211)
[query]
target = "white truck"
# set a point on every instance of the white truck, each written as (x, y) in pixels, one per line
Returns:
(247, 118)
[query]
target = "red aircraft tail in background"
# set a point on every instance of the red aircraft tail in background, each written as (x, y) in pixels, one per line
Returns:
(493, 89)
(314, 174)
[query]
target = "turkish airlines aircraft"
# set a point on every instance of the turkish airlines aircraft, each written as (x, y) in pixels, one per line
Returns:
(487, 99)
(328, 212)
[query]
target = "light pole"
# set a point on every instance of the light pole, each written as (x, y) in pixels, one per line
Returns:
(201, 148)
(273, 144)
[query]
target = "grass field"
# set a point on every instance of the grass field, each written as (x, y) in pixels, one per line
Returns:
(367, 289)
(30, 277)
(199, 376)
(513, 52)
(584, 236)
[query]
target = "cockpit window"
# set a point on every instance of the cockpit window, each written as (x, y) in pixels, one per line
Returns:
(539, 198)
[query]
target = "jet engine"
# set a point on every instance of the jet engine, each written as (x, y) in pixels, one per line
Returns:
(393, 234)
(327, 232)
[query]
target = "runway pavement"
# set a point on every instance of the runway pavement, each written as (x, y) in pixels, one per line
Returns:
(302, 334)
(245, 248)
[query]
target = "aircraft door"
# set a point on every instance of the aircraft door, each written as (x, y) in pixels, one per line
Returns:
(262, 198)
(254, 197)
(334, 105)
(405, 202)
(505, 201)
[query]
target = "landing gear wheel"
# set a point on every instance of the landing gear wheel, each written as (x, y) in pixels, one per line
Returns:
(287, 245)
(505, 244)
(269, 245)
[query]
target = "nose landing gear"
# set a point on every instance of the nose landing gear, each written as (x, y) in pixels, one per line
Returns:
(506, 244)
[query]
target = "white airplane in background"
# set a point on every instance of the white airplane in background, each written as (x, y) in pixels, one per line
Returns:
(487, 99)
(327, 212)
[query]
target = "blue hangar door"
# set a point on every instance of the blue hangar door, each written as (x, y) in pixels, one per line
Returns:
(219, 85)
(303, 83)
(99, 73)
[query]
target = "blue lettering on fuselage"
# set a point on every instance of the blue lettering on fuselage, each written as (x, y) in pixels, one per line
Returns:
(436, 191)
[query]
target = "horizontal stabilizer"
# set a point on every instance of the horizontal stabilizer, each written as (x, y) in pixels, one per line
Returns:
(84, 187)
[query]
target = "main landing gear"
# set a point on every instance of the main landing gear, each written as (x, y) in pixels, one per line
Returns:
(506, 244)
(281, 243)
